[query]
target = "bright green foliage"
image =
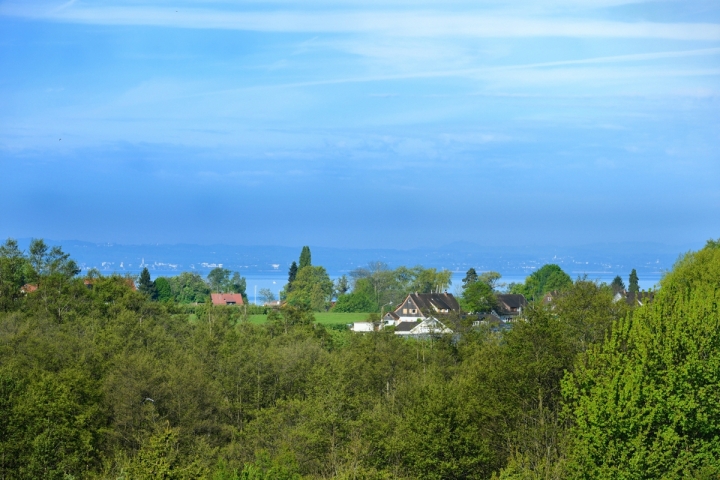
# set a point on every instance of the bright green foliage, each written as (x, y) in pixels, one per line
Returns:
(646, 403)
(633, 286)
(305, 258)
(478, 297)
(189, 288)
(163, 290)
(354, 302)
(312, 287)
(547, 279)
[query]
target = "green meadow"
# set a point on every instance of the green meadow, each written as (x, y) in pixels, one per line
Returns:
(324, 318)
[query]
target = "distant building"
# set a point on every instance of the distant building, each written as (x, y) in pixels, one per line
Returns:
(226, 299)
(510, 306)
(28, 288)
(428, 326)
(634, 299)
(419, 306)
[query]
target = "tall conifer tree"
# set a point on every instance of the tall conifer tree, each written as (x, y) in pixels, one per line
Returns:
(305, 259)
(633, 284)
(292, 273)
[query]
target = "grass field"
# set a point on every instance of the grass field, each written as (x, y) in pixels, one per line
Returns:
(325, 318)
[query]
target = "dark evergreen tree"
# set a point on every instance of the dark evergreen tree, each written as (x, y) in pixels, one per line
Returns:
(634, 287)
(145, 285)
(305, 259)
(470, 277)
(617, 285)
(292, 273)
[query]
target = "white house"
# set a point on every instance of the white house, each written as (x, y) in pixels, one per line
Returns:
(428, 326)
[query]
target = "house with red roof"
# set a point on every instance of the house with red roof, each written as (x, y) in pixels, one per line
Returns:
(227, 298)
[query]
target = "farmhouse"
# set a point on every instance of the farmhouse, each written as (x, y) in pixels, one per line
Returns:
(510, 306)
(226, 299)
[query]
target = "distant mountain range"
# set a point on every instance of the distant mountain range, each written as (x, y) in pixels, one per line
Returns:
(597, 261)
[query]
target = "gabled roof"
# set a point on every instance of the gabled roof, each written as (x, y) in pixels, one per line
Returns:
(432, 301)
(226, 298)
(392, 315)
(406, 326)
(510, 303)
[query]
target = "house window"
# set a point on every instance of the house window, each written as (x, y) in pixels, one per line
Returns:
(404, 311)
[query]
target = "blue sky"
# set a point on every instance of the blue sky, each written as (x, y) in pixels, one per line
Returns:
(360, 123)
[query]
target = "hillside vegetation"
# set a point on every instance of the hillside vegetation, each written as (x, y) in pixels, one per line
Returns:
(98, 381)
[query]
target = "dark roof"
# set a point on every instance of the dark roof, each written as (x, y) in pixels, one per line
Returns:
(633, 298)
(434, 301)
(489, 317)
(393, 315)
(510, 303)
(406, 326)
(226, 299)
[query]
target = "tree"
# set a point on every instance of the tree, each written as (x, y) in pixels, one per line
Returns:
(478, 297)
(292, 274)
(163, 290)
(617, 285)
(305, 258)
(312, 288)
(14, 273)
(548, 278)
(218, 278)
(145, 285)
(646, 402)
(354, 302)
(491, 278)
(266, 295)
(51, 262)
(470, 277)
(342, 285)
(633, 284)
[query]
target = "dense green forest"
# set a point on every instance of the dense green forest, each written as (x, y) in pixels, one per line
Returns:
(97, 380)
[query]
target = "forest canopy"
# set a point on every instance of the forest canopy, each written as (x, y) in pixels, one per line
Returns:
(99, 381)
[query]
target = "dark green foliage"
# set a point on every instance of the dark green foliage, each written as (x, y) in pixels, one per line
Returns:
(305, 258)
(163, 290)
(470, 277)
(633, 286)
(292, 274)
(145, 285)
(617, 285)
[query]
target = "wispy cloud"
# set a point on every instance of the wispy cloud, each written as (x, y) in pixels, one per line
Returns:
(394, 23)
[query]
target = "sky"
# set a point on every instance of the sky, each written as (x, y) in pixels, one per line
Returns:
(393, 124)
